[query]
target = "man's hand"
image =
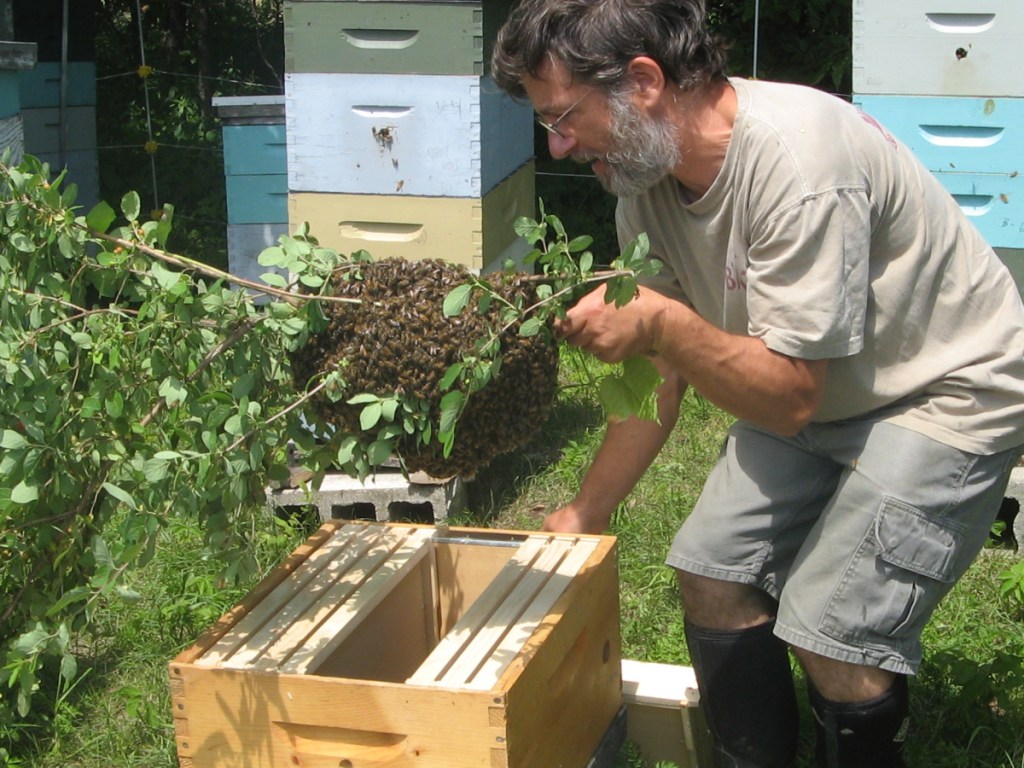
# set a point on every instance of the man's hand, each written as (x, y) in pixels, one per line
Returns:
(613, 334)
(571, 519)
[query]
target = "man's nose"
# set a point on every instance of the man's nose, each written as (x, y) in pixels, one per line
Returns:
(560, 146)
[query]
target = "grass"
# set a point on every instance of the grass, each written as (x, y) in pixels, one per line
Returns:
(967, 702)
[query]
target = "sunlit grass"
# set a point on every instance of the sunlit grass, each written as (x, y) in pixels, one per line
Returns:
(967, 703)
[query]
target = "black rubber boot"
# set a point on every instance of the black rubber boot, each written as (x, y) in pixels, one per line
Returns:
(864, 734)
(746, 694)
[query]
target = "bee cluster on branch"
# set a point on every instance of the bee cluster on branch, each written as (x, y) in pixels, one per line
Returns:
(397, 340)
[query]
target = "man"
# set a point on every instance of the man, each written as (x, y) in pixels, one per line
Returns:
(823, 288)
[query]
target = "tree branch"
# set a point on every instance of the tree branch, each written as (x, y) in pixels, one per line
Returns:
(185, 262)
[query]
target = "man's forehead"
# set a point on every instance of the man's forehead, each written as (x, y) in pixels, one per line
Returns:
(549, 85)
(555, 71)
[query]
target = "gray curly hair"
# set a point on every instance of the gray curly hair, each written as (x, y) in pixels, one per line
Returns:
(596, 39)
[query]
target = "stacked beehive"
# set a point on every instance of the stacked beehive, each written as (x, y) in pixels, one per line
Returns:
(398, 143)
(256, 178)
(944, 76)
(58, 95)
(13, 57)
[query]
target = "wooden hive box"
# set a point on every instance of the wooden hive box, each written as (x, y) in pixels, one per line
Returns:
(663, 714)
(399, 645)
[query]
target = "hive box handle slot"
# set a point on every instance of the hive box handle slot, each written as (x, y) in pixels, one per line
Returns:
(974, 205)
(382, 231)
(968, 136)
(961, 23)
(318, 746)
(381, 39)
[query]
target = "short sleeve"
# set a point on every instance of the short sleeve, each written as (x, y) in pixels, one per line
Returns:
(807, 276)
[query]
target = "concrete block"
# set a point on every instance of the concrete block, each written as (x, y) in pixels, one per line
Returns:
(388, 494)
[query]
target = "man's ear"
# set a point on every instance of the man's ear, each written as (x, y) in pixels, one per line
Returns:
(648, 78)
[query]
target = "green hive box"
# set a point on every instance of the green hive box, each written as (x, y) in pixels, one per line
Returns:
(370, 37)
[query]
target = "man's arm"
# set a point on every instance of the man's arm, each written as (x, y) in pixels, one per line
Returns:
(628, 448)
(737, 373)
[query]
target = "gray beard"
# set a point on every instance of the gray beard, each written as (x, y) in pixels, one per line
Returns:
(643, 151)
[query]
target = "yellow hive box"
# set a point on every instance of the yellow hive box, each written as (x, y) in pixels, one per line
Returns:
(663, 713)
(462, 230)
(407, 646)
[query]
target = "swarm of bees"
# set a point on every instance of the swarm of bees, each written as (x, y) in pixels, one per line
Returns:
(397, 340)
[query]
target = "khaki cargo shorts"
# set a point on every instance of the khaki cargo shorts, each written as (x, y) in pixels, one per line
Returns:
(858, 529)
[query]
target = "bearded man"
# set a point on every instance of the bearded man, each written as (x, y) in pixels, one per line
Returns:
(822, 287)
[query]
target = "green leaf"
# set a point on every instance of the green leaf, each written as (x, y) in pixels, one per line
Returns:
(615, 398)
(91, 406)
(451, 406)
(313, 281)
(271, 257)
(362, 397)
(155, 470)
(621, 290)
(531, 327)
(632, 392)
(457, 299)
(172, 391)
(346, 450)
(23, 493)
(580, 243)
(12, 440)
(120, 494)
(233, 425)
(114, 405)
(74, 595)
(164, 225)
(370, 415)
(451, 375)
(101, 552)
(379, 452)
(68, 667)
(165, 278)
(274, 280)
(100, 217)
(22, 242)
(529, 229)
(131, 206)
(128, 594)
(31, 642)
(243, 386)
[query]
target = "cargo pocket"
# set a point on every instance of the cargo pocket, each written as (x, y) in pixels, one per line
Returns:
(901, 570)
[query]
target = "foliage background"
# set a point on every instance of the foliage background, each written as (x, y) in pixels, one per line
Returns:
(199, 50)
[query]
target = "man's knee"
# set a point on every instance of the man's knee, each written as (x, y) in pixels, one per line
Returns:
(842, 681)
(718, 604)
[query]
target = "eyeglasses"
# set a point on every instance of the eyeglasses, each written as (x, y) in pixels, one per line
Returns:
(553, 126)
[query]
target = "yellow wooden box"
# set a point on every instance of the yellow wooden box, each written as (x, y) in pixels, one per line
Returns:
(407, 646)
(663, 716)
(476, 232)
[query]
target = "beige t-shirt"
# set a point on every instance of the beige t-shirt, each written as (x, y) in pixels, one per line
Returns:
(826, 238)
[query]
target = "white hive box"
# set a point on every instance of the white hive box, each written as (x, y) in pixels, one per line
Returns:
(938, 47)
(410, 135)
